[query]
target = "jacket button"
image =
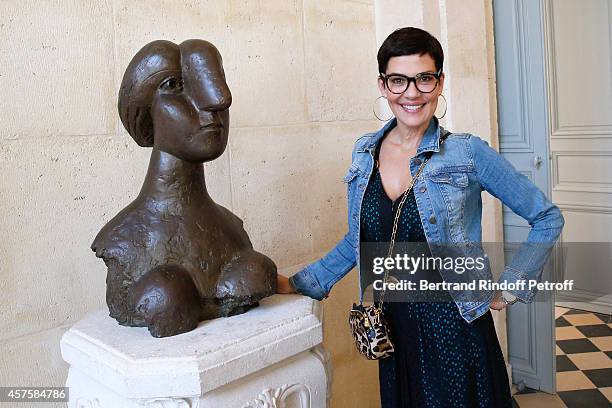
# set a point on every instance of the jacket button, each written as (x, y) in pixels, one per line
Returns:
(432, 219)
(417, 161)
(423, 188)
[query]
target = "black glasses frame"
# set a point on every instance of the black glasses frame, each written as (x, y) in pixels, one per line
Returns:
(437, 75)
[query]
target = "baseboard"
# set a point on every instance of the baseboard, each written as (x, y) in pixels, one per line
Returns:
(589, 306)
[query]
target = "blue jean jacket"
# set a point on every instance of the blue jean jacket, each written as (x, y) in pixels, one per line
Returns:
(448, 197)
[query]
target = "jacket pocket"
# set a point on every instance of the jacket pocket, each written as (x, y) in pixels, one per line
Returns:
(456, 179)
(449, 196)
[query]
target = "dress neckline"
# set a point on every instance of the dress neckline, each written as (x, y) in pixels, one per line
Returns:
(376, 163)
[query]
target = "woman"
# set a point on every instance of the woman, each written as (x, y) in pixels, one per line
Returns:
(446, 350)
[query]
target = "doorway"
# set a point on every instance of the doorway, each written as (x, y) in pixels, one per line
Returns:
(557, 129)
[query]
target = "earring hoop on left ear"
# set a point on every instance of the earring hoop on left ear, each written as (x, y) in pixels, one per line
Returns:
(374, 110)
(445, 106)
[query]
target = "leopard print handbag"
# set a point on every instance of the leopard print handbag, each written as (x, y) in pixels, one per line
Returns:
(370, 331)
(367, 323)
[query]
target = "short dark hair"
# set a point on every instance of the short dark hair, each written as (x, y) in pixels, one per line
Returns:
(409, 41)
(140, 82)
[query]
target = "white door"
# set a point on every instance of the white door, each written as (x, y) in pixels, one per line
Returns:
(579, 54)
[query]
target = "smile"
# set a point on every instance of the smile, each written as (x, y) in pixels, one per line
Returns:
(413, 108)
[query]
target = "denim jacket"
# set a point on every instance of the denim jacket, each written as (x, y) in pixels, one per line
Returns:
(448, 197)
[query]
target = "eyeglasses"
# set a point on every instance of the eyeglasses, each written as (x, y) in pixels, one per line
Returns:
(425, 82)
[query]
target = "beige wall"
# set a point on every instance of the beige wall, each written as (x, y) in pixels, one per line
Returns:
(67, 166)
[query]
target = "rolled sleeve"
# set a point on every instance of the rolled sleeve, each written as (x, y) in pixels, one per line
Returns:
(317, 279)
(305, 283)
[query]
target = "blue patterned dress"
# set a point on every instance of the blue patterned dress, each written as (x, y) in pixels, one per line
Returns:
(440, 360)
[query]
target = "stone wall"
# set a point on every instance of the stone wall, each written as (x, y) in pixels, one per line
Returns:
(303, 77)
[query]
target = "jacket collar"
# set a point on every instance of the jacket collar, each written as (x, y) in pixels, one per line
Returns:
(429, 143)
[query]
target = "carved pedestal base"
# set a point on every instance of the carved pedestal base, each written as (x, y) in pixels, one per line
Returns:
(270, 356)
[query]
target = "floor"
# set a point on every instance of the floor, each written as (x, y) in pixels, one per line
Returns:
(584, 363)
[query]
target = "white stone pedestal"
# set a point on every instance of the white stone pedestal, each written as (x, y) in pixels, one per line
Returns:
(269, 357)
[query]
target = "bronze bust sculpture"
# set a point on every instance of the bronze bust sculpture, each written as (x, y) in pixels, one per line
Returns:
(174, 256)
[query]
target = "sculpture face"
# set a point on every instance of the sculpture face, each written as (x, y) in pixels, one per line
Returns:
(175, 98)
(190, 109)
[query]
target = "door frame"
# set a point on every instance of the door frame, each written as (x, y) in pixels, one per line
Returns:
(531, 327)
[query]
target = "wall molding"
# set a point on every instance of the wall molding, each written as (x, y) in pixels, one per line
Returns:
(557, 131)
(583, 207)
(521, 142)
(582, 185)
(582, 132)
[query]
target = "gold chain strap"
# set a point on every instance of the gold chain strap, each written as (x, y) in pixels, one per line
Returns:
(395, 222)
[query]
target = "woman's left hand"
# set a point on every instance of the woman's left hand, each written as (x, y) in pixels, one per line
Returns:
(498, 302)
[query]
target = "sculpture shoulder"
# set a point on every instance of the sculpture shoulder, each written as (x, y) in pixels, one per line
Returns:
(118, 236)
(230, 216)
(140, 230)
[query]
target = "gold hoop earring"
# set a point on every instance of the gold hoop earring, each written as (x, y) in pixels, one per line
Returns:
(445, 106)
(374, 110)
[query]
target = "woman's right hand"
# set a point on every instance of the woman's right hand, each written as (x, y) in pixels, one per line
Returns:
(283, 285)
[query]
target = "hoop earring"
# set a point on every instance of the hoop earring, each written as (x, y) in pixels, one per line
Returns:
(445, 106)
(374, 110)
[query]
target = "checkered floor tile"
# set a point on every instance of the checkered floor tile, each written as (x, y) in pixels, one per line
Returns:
(584, 363)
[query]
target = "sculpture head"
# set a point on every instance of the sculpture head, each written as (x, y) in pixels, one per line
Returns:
(175, 98)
